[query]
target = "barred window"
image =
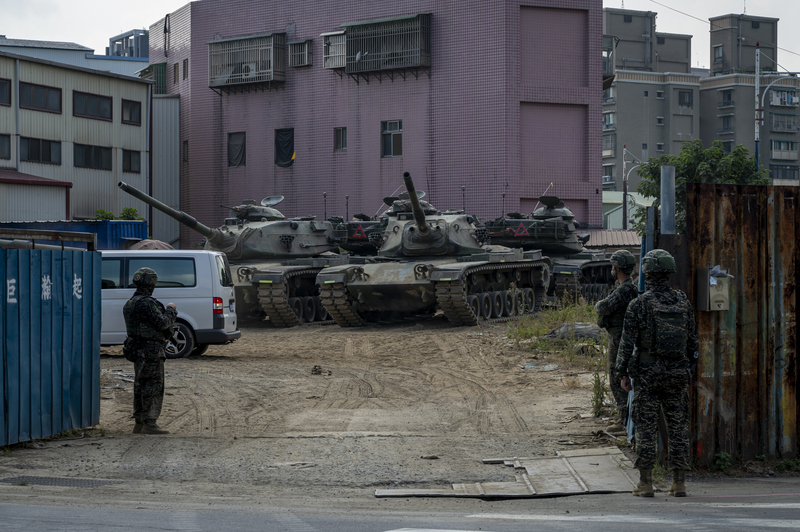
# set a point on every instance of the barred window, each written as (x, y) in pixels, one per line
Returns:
(300, 53)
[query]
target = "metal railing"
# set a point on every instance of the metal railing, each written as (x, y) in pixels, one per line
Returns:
(247, 60)
(724, 103)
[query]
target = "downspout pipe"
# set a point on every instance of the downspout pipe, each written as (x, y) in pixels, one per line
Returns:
(150, 154)
(16, 113)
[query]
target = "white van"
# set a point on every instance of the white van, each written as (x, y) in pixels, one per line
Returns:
(198, 282)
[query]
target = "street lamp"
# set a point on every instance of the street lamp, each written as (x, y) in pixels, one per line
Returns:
(760, 103)
(625, 183)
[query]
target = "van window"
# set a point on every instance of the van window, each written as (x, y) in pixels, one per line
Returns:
(172, 272)
(225, 277)
(112, 273)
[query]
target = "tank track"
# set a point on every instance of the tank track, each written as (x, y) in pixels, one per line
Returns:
(567, 285)
(273, 298)
(452, 296)
(334, 298)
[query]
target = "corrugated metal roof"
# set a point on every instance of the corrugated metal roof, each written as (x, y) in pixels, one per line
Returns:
(611, 238)
(9, 175)
(74, 67)
(53, 45)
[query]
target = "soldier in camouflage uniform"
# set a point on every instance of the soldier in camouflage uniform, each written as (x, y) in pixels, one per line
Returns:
(660, 324)
(149, 326)
(611, 312)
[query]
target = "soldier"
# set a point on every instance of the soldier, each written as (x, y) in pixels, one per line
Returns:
(149, 326)
(612, 313)
(660, 324)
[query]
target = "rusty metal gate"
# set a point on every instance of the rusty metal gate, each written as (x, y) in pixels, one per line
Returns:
(744, 398)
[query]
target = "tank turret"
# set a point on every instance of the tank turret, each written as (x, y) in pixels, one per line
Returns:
(275, 259)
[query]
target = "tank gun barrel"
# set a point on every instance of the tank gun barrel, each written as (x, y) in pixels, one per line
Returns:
(237, 209)
(181, 216)
(419, 213)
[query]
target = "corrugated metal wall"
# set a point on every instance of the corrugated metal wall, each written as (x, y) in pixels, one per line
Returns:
(50, 325)
(21, 201)
(166, 166)
(111, 234)
(745, 399)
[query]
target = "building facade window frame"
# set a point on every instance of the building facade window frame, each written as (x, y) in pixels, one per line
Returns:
(660, 95)
(391, 138)
(5, 92)
(186, 68)
(92, 106)
(340, 139)
(175, 73)
(237, 149)
(132, 112)
(5, 146)
(39, 98)
(93, 157)
(132, 161)
(40, 150)
(659, 120)
(686, 99)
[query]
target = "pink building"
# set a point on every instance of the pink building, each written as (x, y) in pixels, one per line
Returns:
(497, 97)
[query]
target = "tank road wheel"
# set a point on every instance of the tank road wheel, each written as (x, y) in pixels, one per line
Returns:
(474, 305)
(508, 303)
(519, 302)
(296, 304)
(309, 309)
(486, 306)
(497, 304)
(322, 312)
(528, 301)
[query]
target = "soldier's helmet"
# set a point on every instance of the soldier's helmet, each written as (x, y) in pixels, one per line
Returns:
(658, 261)
(145, 278)
(624, 260)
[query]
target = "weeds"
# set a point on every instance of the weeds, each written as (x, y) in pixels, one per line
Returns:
(598, 393)
(722, 462)
(792, 464)
(23, 483)
(571, 381)
(659, 471)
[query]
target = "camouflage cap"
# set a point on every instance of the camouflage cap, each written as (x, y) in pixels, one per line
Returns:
(145, 278)
(658, 261)
(624, 260)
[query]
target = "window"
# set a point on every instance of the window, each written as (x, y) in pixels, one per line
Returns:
(660, 95)
(608, 95)
(339, 139)
(237, 152)
(646, 94)
(91, 106)
(39, 150)
(377, 45)
(284, 147)
(608, 121)
(172, 272)
(609, 145)
(131, 112)
(784, 149)
(175, 73)
(186, 151)
(39, 97)
(333, 50)
(784, 98)
(660, 146)
(727, 147)
(247, 60)
(608, 173)
(5, 92)
(784, 172)
(627, 18)
(5, 146)
(112, 273)
(130, 161)
(392, 138)
(300, 53)
(185, 69)
(644, 146)
(755, 24)
(784, 122)
(718, 53)
(661, 40)
(727, 99)
(727, 125)
(685, 98)
(659, 120)
(96, 157)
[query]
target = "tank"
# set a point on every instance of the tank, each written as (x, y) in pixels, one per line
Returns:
(428, 260)
(361, 235)
(552, 229)
(275, 259)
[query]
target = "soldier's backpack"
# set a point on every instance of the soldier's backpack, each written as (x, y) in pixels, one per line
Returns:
(129, 350)
(668, 329)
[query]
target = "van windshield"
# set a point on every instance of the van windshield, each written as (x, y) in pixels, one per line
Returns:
(225, 277)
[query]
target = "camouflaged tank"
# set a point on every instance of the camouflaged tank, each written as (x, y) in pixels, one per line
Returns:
(274, 259)
(428, 260)
(553, 230)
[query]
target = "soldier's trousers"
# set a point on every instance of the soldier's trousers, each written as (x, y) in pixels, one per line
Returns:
(620, 395)
(148, 388)
(655, 388)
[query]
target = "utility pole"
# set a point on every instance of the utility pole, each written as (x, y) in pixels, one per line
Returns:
(758, 109)
(624, 189)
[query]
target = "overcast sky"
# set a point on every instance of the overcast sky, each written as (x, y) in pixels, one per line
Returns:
(92, 22)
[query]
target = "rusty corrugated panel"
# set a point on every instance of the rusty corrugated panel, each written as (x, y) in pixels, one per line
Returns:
(745, 390)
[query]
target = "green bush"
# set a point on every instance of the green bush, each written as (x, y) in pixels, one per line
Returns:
(100, 214)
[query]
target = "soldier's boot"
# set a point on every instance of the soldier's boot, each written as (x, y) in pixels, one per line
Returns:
(618, 424)
(137, 427)
(645, 486)
(150, 427)
(678, 488)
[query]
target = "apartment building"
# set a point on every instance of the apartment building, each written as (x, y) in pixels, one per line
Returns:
(304, 98)
(733, 40)
(69, 124)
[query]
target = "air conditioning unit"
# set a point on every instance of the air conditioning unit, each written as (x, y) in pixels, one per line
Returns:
(248, 70)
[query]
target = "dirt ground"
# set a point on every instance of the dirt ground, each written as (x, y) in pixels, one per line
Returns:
(321, 409)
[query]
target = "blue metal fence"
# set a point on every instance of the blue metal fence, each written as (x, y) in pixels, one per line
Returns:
(111, 234)
(50, 325)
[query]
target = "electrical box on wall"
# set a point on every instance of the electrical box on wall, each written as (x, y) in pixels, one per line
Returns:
(713, 291)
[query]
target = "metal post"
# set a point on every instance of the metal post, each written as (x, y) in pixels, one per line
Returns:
(463, 198)
(325, 201)
(667, 200)
(347, 208)
(758, 110)
(624, 190)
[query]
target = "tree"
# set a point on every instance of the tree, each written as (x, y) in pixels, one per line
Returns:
(695, 164)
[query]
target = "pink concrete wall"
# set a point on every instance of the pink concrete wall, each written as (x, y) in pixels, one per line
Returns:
(461, 124)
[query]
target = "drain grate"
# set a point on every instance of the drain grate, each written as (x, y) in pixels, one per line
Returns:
(56, 481)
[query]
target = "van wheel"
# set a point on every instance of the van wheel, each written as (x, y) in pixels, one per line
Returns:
(182, 342)
(199, 350)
